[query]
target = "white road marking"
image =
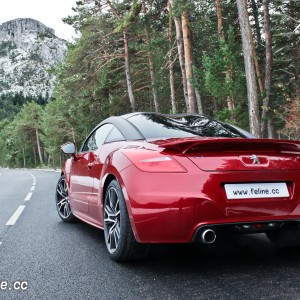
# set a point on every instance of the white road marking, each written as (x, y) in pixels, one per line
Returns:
(15, 216)
(32, 176)
(28, 197)
(13, 219)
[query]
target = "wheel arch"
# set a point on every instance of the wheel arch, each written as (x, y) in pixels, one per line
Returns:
(115, 162)
(108, 179)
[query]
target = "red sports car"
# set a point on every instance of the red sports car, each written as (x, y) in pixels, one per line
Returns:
(152, 178)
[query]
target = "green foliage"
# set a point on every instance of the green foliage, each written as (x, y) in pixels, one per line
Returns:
(91, 83)
(129, 17)
(224, 75)
(11, 104)
(18, 138)
(182, 5)
(286, 46)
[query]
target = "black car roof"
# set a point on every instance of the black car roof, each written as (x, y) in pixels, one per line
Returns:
(131, 132)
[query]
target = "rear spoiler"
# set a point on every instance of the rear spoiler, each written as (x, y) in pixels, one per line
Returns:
(227, 145)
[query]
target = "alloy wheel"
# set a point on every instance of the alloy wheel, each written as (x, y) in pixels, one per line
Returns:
(62, 199)
(112, 220)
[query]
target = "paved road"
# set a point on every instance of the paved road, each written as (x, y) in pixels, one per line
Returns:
(54, 260)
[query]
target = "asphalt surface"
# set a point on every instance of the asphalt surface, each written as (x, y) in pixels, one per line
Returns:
(53, 260)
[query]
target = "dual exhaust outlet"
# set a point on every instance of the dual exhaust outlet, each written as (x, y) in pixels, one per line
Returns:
(208, 236)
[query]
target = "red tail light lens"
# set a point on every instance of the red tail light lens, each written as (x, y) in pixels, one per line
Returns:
(153, 161)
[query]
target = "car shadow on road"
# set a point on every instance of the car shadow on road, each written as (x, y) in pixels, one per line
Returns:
(242, 251)
(245, 267)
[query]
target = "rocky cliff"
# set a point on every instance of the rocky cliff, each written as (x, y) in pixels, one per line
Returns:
(28, 52)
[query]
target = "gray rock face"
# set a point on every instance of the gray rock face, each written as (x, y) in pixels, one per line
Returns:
(28, 52)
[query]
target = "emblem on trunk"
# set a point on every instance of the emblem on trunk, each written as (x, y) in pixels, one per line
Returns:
(255, 160)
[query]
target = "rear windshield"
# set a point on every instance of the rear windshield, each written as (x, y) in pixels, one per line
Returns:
(154, 126)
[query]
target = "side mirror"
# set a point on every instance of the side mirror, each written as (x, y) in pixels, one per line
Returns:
(68, 148)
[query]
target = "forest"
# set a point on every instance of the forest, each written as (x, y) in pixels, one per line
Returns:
(233, 60)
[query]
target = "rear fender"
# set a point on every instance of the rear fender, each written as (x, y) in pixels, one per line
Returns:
(114, 164)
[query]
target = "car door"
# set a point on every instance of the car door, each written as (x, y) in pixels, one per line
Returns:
(81, 183)
(106, 145)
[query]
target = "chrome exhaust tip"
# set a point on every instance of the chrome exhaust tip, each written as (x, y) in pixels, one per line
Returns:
(208, 236)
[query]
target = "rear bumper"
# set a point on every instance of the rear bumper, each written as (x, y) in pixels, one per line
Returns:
(172, 208)
(243, 228)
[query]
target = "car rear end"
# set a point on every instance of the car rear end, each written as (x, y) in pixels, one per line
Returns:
(196, 188)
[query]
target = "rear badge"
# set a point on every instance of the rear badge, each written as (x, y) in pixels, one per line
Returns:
(255, 160)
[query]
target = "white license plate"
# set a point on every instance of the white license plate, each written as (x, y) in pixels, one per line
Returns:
(256, 190)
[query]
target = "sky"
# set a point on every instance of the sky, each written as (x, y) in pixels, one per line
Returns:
(49, 12)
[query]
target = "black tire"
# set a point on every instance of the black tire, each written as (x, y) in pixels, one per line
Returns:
(119, 238)
(62, 201)
(288, 236)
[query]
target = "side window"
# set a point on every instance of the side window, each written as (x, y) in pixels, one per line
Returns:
(97, 138)
(114, 136)
(101, 134)
(90, 144)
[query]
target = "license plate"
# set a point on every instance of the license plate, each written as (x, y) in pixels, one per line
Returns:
(256, 190)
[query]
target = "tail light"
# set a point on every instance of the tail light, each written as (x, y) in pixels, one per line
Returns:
(153, 161)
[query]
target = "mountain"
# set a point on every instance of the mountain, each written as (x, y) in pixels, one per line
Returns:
(28, 52)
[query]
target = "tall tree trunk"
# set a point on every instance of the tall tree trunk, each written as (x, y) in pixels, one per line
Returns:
(151, 67)
(220, 21)
(188, 60)
(179, 40)
(127, 72)
(39, 146)
(152, 75)
(34, 156)
(254, 7)
(45, 157)
(295, 49)
(268, 69)
(24, 158)
(230, 102)
(127, 62)
(199, 101)
(170, 61)
(257, 68)
(73, 135)
(271, 131)
(255, 10)
(216, 104)
(249, 68)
